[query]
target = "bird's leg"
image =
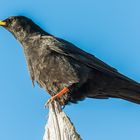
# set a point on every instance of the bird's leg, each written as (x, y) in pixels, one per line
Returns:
(58, 95)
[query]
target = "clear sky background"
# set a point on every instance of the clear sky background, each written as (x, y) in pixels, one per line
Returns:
(106, 28)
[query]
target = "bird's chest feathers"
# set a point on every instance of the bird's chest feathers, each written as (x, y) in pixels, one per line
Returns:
(50, 69)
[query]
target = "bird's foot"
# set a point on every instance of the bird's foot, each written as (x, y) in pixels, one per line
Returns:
(49, 101)
(58, 95)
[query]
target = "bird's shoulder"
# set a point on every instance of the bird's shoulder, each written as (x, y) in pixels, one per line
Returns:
(66, 48)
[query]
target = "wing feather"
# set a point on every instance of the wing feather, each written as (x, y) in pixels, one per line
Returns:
(66, 48)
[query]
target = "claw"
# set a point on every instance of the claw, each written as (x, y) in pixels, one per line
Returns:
(50, 101)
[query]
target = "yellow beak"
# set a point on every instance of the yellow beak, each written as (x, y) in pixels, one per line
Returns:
(2, 23)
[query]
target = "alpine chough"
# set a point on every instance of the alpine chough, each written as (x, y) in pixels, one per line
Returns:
(65, 71)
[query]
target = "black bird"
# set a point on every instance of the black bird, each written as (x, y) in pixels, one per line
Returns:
(66, 72)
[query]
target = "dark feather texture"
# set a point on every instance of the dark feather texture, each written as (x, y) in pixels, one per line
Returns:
(55, 63)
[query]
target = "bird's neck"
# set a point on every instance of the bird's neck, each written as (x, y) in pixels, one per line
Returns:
(23, 33)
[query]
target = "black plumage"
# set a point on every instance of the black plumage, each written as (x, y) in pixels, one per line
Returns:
(55, 64)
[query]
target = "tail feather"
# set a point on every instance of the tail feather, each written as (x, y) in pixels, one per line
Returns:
(105, 87)
(130, 94)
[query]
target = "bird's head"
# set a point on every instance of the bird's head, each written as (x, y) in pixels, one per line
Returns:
(20, 26)
(15, 23)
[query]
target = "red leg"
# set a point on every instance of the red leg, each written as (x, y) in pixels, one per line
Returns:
(59, 94)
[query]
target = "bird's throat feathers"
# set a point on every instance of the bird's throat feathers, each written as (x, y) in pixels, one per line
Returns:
(21, 33)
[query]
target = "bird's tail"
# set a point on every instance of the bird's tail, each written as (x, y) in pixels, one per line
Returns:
(125, 90)
(131, 94)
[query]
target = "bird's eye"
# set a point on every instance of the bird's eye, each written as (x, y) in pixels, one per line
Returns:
(8, 21)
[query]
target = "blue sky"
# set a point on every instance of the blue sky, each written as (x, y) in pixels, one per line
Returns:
(108, 29)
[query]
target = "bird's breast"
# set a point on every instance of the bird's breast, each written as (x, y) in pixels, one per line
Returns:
(54, 71)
